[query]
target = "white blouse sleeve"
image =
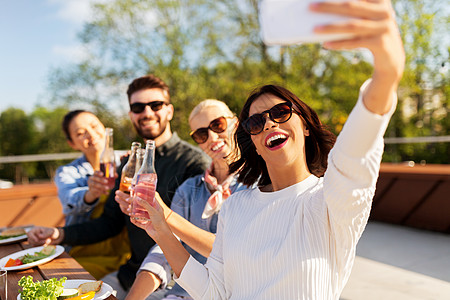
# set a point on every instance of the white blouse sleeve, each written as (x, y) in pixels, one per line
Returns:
(206, 281)
(350, 179)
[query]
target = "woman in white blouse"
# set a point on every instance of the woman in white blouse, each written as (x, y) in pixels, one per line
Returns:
(295, 236)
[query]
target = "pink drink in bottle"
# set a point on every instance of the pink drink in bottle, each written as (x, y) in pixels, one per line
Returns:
(145, 187)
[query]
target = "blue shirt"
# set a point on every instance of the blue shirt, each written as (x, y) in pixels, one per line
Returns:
(72, 183)
(189, 202)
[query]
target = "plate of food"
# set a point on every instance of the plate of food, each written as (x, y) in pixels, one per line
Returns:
(63, 289)
(13, 234)
(29, 258)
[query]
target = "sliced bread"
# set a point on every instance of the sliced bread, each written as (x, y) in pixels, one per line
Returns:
(90, 286)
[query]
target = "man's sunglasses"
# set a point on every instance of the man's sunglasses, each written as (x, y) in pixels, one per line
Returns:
(279, 113)
(218, 125)
(137, 108)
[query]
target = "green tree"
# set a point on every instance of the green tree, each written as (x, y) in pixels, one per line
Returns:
(212, 49)
(17, 137)
(423, 103)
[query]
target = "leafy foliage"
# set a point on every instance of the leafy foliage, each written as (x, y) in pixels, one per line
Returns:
(212, 49)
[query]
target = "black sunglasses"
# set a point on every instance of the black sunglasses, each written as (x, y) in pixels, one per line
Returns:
(218, 125)
(137, 108)
(279, 113)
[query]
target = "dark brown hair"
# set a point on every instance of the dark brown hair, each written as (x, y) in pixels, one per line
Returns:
(251, 167)
(147, 82)
(68, 118)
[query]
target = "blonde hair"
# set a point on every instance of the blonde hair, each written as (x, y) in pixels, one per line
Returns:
(210, 103)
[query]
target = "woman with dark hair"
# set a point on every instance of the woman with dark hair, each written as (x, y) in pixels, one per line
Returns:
(317, 145)
(82, 191)
(295, 236)
(78, 189)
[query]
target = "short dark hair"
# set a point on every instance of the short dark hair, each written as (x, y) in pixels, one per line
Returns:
(68, 118)
(147, 82)
(251, 167)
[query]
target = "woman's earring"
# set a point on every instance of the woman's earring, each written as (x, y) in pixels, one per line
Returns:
(306, 131)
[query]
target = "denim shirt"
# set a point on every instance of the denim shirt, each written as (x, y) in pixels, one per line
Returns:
(72, 183)
(189, 202)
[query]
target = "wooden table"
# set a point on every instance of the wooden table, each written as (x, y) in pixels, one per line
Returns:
(62, 266)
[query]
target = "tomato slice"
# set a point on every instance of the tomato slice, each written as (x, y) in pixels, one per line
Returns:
(10, 263)
(18, 262)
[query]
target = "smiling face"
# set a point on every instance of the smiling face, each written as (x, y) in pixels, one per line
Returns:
(149, 124)
(280, 145)
(87, 133)
(218, 145)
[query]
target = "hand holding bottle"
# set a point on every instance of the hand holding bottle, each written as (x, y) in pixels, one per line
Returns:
(125, 201)
(97, 185)
(155, 224)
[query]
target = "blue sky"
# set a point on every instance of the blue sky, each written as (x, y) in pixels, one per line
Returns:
(36, 35)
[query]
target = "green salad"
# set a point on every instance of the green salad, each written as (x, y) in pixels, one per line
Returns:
(29, 258)
(41, 290)
(9, 236)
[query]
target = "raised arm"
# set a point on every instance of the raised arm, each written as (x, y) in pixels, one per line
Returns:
(160, 232)
(375, 28)
(198, 239)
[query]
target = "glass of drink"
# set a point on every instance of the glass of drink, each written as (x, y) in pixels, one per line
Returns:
(144, 189)
(108, 160)
(139, 158)
(129, 169)
(108, 169)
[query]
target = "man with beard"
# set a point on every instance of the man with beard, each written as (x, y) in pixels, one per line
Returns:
(175, 161)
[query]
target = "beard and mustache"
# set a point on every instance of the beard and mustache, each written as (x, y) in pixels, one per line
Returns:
(150, 134)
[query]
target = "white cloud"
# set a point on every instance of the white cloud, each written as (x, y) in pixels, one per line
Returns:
(73, 11)
(70, 53)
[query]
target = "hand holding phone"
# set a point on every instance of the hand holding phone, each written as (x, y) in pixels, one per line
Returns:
(286, 22)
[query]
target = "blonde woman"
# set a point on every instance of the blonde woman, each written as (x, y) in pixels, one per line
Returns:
(198, 201)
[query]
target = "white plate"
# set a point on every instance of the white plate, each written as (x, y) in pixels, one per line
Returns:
(104, 292)
(15, 239)
(58, 251)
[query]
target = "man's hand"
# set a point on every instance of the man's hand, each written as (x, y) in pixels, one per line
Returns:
(124, 201)
(45, 235)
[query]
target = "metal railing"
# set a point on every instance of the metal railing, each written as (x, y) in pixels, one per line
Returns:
(48, 157)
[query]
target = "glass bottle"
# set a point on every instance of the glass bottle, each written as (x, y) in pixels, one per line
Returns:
(139, 158)
(145, 183)
(129, 169)
(107, 158)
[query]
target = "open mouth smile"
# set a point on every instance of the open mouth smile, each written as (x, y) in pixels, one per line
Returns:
(276, 140)
(217, 147)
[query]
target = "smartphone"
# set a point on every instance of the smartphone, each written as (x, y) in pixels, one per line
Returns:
(287, 22)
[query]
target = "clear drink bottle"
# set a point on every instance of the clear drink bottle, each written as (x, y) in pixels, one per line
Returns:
(145, 184)
(129, 169)
(139, 158)
(107, 158)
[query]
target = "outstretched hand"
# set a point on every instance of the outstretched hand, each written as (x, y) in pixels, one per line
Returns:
(374, 27)
(39, 235)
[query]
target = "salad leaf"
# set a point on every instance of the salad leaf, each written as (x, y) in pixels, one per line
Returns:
(29, 258)
(9, 236)
(41, 290)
